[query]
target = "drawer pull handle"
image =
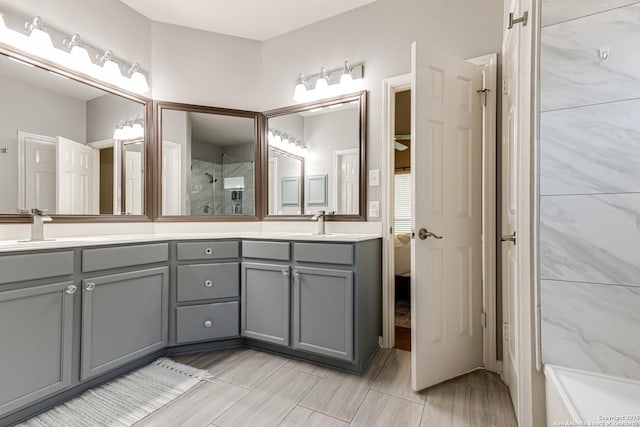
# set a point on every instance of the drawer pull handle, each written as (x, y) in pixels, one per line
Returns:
(208, 323)
(285, 272)
(208, 251)
(90, 286)
(208, 283)
(71, 289)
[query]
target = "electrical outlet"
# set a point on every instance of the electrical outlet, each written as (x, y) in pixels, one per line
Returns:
(374, 178)
(374, 209)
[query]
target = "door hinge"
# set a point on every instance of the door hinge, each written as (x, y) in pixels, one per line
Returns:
(483, 320)
(524, 19)
(504, 86)
(485, 96)
(505, 331)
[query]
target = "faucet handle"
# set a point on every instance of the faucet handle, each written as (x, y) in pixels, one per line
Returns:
(23, 211)
(322, 212)
(39, 211)
(330, 213)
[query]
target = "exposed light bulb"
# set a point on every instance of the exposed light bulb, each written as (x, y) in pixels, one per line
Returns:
(111, 72)
(300, 94)
(347, 74)
(139, 82)
(40, 43)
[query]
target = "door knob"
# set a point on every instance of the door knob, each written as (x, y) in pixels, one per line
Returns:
(509, 238)
(424, 234)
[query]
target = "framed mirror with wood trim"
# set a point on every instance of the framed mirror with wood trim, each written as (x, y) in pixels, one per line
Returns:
(59, 146)
(209, 168)
(316, 159)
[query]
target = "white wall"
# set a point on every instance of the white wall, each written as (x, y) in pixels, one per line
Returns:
(108, 24)
(36, 110)
(199, 67)
(104, 112)
(379, 35)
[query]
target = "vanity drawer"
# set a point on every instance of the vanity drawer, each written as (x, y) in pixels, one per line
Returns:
(208, 250)
(324, 253)
(266, 250)
(208, 281)
(124, 256)
(207, 322)
(23, 267)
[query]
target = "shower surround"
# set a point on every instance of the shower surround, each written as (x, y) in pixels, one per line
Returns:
(590, 186)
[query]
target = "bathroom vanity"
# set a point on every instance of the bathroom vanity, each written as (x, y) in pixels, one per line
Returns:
(75, 314)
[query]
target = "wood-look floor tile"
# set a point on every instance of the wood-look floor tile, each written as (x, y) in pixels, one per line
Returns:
(379, 409)
(198, 407)
(303, 417)
(500, 407)
(339, 394)
(270, 402)
(215, 361)
(395, 377)
(308, 368)
(251, 370)
(381, 356)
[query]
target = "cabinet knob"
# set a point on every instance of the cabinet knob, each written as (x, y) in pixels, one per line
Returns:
(208, 251)
(208, 323)
(208, 283)
(71, 289)
(296, 273)
(285, 272)
(90, 286)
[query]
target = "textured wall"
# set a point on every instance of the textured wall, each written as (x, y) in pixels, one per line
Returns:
(590, 186)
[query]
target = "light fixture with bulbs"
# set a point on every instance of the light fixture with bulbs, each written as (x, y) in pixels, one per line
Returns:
(326, 84)
(33, 38)
(129, 129)
(284, 142)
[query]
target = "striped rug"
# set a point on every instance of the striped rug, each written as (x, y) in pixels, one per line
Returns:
(126, 400)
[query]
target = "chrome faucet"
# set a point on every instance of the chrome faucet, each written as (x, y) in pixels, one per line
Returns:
(320, 217)
(37, 226)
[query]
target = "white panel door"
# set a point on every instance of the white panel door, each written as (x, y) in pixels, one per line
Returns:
(172, 192)
(133, 183)
(446, 158)
(78, 178)
(347, 180)
(38, 170)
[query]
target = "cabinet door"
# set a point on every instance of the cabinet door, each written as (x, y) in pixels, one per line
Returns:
(265, 302)
(124, 316)
(36, 329)
(323, 311)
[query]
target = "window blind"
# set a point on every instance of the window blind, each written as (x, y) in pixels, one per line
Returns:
(402, 216)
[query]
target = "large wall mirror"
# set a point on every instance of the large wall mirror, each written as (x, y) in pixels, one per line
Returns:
(316, 159)
(208, 163)
(69, 146)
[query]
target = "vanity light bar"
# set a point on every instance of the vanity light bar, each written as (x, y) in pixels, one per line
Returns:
(329, 83)
(285, 142)
(33, 37)
(129, 129)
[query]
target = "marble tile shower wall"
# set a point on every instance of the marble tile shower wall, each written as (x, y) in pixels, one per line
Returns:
(211, 198)
(590, 186)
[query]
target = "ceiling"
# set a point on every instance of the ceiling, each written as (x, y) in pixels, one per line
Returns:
(221, 130)
(252, 19)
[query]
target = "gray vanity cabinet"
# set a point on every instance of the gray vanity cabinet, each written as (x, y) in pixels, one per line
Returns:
(36, 329)
(323, 311)
(266, 302)
(124, 316)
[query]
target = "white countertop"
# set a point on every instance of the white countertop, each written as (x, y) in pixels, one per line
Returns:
(73, 242)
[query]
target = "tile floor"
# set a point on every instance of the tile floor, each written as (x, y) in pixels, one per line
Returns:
(253, 388)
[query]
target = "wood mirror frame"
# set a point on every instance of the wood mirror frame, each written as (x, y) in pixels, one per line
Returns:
(361, 97)
(148, 150)
(157, 203)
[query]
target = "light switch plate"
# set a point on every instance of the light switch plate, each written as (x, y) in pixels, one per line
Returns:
(374, 209)
(374, 177)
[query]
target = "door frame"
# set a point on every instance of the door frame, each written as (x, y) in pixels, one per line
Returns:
(390, 87)
(336, 156)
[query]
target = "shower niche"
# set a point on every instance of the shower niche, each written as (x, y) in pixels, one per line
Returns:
(208, 157)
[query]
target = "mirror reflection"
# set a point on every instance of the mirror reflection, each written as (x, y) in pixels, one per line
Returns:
(314, 161)
(208, 164)
(58, 146)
